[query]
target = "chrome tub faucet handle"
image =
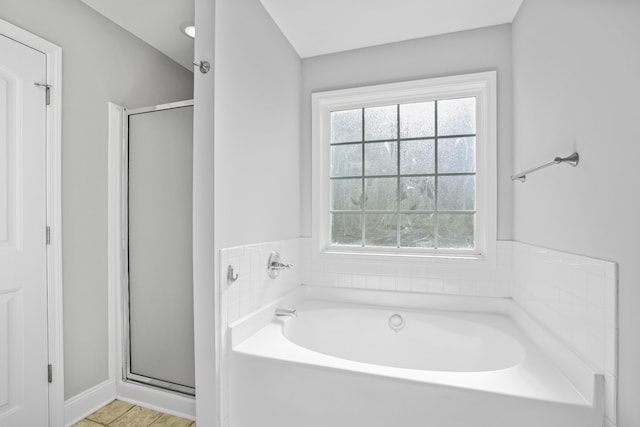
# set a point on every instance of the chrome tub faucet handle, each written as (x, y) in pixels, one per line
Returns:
(275, 265)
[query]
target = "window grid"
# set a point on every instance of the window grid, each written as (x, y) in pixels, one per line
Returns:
(422, 138)
(436, 228)
(363, 235)
(398, 212)
(398, 177)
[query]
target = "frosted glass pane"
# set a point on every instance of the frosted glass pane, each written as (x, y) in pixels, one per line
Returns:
(381, 194)
(346, 126)
(417, 120)
(456, 231)
(346, 229)
(381, 230)
(417, 231)
(456, 193)
(346, 194)
(160, 176)
(457, 155)
(381, 158)
(457, 116)
(417, 157)
(417, 193)
(346, 160)
(381, 123)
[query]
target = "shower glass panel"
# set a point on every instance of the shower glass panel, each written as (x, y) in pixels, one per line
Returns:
(159, 296)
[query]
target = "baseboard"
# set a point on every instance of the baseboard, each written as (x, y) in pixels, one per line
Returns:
(87, 402)
(157, 399)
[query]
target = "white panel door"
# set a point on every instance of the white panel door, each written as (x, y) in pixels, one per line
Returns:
(23, 281)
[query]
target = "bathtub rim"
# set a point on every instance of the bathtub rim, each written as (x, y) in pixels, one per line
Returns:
(587, 382)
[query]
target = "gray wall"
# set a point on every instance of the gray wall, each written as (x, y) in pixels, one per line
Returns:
(205, 293)
(576, 65)
(101, 63)
(256, 163)
(457, 53)
(257, 127)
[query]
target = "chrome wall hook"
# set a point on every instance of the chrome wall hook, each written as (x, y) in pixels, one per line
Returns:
(231, 277)
(204, 66)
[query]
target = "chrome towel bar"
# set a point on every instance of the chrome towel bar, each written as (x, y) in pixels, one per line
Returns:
(572, 160)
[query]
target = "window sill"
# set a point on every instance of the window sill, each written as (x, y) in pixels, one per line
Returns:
(430, 258)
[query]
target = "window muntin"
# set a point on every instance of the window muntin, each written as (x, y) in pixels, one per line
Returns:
(404, 175)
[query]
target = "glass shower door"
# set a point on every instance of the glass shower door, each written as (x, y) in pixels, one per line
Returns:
(159, 295)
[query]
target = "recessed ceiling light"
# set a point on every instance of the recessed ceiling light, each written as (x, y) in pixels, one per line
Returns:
(189, 30)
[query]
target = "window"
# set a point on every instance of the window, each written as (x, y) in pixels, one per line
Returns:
(406, 168)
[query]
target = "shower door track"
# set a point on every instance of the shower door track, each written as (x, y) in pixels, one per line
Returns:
(127, 374)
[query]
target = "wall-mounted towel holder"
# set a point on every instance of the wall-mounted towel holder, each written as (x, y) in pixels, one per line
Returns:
(572, 160)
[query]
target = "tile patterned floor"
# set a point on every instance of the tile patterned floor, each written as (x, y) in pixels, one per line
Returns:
(122, 414)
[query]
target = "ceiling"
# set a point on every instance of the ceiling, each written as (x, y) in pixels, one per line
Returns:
(317, 27)
(157, 22)
(314, 27)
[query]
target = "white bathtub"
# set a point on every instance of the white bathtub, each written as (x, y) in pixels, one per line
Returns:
(400, 338)
(432, 362)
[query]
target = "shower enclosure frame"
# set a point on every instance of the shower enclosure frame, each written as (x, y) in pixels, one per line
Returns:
(127, 374)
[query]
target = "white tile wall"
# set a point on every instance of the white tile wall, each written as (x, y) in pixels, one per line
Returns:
(576, 298)
(467, 278)
(253, 289)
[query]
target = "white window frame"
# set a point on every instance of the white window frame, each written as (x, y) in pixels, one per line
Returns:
(482, 86)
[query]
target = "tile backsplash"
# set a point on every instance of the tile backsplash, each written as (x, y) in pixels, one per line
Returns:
(473, 278)
(576, 298)
(254, 288)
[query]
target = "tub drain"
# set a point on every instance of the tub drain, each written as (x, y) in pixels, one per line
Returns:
(396, 322)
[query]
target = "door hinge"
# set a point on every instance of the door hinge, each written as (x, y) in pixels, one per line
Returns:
(47, 92)
(50, 373)
(48, 235)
